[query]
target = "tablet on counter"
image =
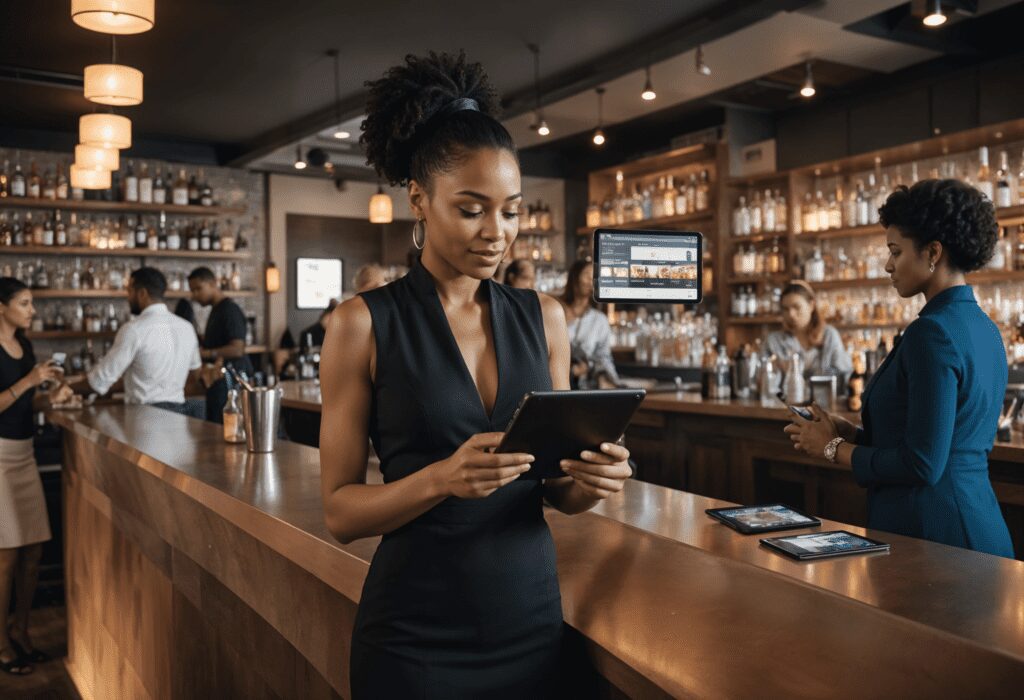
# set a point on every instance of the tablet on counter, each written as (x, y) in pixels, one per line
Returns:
(557, 425)
(819, 545)
(765, 518)
(639, 266)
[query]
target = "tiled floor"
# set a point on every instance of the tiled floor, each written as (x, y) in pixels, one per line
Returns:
(49, 681)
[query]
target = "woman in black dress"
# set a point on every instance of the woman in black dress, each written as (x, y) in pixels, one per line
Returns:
(24, 525)
(462, 597)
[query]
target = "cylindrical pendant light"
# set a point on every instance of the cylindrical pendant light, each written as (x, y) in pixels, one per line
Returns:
(114, 16)
(97, 158)
(105, 130)
(89, 179)
(380, 207)
(113, 84)
(273, 276)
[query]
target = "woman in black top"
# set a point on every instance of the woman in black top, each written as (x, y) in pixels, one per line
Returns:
(462, 597)
(23, 521)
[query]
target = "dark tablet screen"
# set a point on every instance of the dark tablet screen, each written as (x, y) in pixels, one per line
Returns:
(824, 544)
(635, 266)
(765, 518)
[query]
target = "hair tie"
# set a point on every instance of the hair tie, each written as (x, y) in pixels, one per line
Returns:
(461, 104)
(803, 285)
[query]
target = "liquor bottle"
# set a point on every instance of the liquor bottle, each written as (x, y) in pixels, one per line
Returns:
(6, 233)
(193, 190)
(863, 214)
(34, 182)
(152, 238)
(692, 190)
(821, 209)
(647, 205)
(141, 236)
(49, 185)
(192, 242)
(781, 212)
(234, 426)
(808, 214)
(227, 241)
(215, 242)
(984, 182)
(1003, 181)
(769, 210)
(702, 195)
(1018, 260)
(19, 186)
(48, 237)
(145, 185)
(60, 236)
(756, 215)
(159, 188)
(180, 192)
(794, 385)
(814, 269)
(62, 181)
(707, 371)
(174, 238)
(131, 184)
(741, 226)
(236, 278)
(679, 206)
(835, 211)
(204, 236)
(881, 194)
(206, 200)
(1008, 250)
(18, 231)
(669, 197)
(5, 180)
(658, 200)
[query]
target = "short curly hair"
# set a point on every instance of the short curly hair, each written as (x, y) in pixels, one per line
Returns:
(951, 212)
(403, 143)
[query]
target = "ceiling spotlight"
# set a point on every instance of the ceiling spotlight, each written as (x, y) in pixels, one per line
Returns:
(300, 162)
(702, 67)
(935, 18)
(648, 94)
(807, 89)
(542, 127)
(339, 134)
(598, 137)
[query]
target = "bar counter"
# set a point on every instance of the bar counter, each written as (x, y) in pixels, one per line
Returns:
(196, 569)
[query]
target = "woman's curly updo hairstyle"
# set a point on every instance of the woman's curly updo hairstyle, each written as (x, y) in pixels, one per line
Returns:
(951, 212)
(403, 139)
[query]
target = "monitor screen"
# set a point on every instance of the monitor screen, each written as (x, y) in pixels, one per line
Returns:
(647, 266)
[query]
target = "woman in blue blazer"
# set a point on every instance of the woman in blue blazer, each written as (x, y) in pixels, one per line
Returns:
(931, 410)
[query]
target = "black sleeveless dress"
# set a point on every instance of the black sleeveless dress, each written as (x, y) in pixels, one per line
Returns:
(463, 601)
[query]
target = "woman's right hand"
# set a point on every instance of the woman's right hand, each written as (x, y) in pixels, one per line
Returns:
(475, 472)
(45, 372)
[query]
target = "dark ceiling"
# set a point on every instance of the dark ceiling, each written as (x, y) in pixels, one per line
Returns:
(229, 71)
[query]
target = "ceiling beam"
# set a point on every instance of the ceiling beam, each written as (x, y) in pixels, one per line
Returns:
(725, 19)
(33, 76)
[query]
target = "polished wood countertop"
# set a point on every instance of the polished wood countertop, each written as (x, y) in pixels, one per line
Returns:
(305, 396)
(665, 597)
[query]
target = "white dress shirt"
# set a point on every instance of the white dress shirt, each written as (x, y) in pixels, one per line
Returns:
(155, 352)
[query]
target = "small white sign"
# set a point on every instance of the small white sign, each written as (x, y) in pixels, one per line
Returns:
(317, 281)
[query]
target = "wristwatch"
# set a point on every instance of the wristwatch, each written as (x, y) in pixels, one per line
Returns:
(832, 447)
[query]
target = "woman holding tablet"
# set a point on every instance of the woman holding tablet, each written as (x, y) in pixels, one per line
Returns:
(805, 333)
(462, 595)
(931, 411)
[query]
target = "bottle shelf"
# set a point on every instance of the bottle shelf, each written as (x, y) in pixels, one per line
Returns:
(760, 238)
(537, 232)
(122, 294)
(665, 222)
(758, 279)
(980, 277)
(1006, 216)
(867, 326)
(124, 252)
(118, 207)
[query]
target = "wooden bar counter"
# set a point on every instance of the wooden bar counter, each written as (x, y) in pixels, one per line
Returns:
(196, 569)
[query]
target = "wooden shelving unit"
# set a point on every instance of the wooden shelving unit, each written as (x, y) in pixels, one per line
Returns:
(754, 320)
(68, 335)
(665, 222)
(83, 251)
(118, 207)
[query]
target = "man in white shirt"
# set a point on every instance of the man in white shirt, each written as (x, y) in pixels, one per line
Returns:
(155, 351)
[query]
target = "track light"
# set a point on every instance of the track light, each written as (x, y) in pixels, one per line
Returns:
(700, 66)
(935, 18)
(542, 127)
(300, 162)
(807, 90)
(598, 137)
(341, 134)
(648, 94)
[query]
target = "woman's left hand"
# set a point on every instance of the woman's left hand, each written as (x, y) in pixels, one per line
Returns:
(812, 436)
(600, 474)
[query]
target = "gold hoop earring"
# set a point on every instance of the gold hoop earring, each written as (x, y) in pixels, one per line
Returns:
(420, 225)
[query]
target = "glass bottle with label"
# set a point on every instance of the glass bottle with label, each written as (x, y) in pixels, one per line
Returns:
(34, 182)
(193, 190)
(180, 192)
(49, 185)
(1003, 181)
(984, 182)
(702, 196)
(206, 196)
(130, 184)
(145, 185)
(234, 426)
(5, 180)
(159, 189)
(19, 186)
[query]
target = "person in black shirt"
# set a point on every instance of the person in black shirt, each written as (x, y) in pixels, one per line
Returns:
(313, 336)
(24, 525)
(223, 343)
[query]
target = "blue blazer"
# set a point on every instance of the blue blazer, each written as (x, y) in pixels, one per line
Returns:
(930, 417)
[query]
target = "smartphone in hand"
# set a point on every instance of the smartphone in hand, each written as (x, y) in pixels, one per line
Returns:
(804, 413)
